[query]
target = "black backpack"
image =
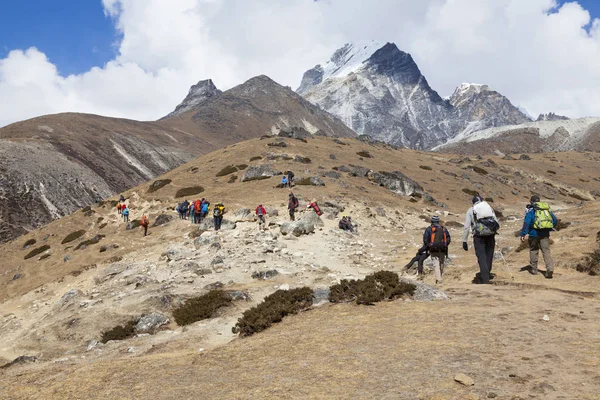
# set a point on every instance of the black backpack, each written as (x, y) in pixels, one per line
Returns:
(439, 239)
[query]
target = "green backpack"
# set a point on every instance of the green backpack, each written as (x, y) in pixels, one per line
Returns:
(543, 217)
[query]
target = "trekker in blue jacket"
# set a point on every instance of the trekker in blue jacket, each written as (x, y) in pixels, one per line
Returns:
(539, 222)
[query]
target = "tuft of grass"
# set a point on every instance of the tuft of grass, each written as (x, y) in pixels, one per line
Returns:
(303, 160)
(202, 307)
(241, 167)
(230, 169)
(470, 192)
(158, 184)
(489, 199)
(551, 172)
(44, 257)
(364, 154)
(29, 243)
(380, 286)
(90, 242)
(425, 167)
(273, 309)
(73, 236)
(255, 158)
(103, 225)
(479, 170)
(37, 251)
(190, 191)
(590, 264)
(119, 332)
(232, 179)
(578, 197)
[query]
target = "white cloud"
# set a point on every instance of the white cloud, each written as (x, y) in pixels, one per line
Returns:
(538, 54)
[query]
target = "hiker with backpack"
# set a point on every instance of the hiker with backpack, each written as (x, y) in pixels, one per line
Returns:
(345, 224)
(197, 211)
(436, 240)
(144, 222)
(192, 212)
(218, 212)
(539, 222)
(204, 209)
(482, 222)
(119, 210)
(261, 214)
(313, 204)
(293, 204)
(290, 178)
(125, 213)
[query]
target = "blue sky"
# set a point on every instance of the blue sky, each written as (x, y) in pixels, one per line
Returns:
(75, 34)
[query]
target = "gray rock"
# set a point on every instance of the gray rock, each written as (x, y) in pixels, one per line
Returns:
(218, 260)
(216, 246)
(272, 212)
(214, 286)
(67, 258)
(20, 360)
(321, 295)
(237, 295)
(265, 274)
(397, 182)
(204, 271)
(177, 253)
(524, 157)
(426, 292)
(191, 265)
(259, 172)
(305, 225)
(17, 276)
(205, 239)
(163, 219)
(209, 224)
(334, 205)
(464, 379)
(69, 297)
(243, 215)
(91, 345)
(332, 157)
(150, 323)
(380, 211)
(265, 237)
(332, 174)
(109, 272)
(360, 172)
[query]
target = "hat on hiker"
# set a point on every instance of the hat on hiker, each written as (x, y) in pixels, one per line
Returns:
(477, 199)
(535, 198)
(435, 219)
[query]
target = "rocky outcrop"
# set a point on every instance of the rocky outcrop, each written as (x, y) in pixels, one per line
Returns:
(199, 93)
(259, 172)
(305, 225)
(149, 323)
(397, 182)
(551, 117)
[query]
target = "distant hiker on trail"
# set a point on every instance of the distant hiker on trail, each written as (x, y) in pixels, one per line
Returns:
(218, 215)
(144, 222)
(261, 214)
(290, 178)
(204, 209)
(313, 204)
(346, 224)
(293, 204)
(197, 211)
(436, 240)
(482, 221)
(419, 258)
(539, 221)
(192, 211)
(119, 210)
(185, 209)
(122, 199)
(284, 181)
(125, 214)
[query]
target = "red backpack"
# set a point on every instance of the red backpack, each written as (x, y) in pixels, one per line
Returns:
(145, 221)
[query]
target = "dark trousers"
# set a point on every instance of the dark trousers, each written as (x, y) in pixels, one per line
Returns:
(420, 258)
(292, 214)
(484, 249)
(218, 221)
(145, 230)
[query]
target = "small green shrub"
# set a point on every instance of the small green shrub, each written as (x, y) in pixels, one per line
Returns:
(470, 192)
(202, 307)
(37, 251)
(232, 179)
(135, 223)
(73, 236)
(90, 242)
(273, 309)
(86, 209)
(119, 332)
(190, 191)
(255, 158)
(158, 184)
(100, 219)
(29, 243)
(382, 285)
(551, 172)
(425, 167)
(241, 167)
(364, 154)
(230, 169)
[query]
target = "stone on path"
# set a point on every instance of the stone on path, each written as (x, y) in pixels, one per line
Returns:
(464, 379)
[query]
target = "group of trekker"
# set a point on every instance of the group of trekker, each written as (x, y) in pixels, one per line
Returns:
(293, 204)
(123, 210)
(481, 222)
(196, 211)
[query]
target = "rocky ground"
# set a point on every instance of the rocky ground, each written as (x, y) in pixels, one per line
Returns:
(524, 337)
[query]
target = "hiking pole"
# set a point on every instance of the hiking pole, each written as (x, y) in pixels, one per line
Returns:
(506, 264)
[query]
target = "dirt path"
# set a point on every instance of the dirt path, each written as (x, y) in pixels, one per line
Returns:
(399, 350)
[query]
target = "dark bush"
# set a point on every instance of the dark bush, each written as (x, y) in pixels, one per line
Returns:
(303, 182)
(100, 219)
(114, 259)
(103, 225)
(37, 251)
(255, 158)
(470, 192)
(551, 172)
(479, 170)
(590, 264)
(44, 257)
(159, 184)
(86, 209)
(119, 332)
(303, 160)
(489, 199)
(241, 167)
(73, 236)
(232, 179)
(202, 307)
(190, 191)
(273, 309)
(230, 169)
(90, 242)
(338, 141)
(382, 285)
(578, 197)
(364, 154)
(562, 225)
(425, 167)
(277, 144)
(29, 243)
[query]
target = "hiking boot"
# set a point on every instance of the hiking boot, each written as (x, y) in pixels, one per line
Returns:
(533, 271)
(438, 282)
(420, 277)
(549, 274)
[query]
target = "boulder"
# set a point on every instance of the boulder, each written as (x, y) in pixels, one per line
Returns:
(209, 224)
(205, 239)
(237, 295)
(331, 174)
(259, 172)
(20, 360)
(243, 215)
(272, 212)
(150, 323)
(68, 297)
(303, 226)
(218, 260)
(524, 157)
(397, 182)
(293, 132)
(265, 274)
(175, 253)
(163, 219)
(265, 237)
(360, 172)
(426, 292)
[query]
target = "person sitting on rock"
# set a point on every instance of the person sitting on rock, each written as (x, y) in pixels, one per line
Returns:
(261, 213)
(313, 204)
(284, 181)
(345, 224)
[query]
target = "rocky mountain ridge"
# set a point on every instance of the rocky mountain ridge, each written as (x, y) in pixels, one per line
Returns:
(378, 90)
(199, 93)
